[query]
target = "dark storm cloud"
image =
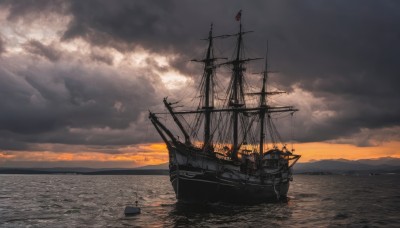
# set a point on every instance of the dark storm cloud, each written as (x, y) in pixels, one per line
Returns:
(344, 52)
(102, 58)
(31, 10)
(127, 23)
(347, 53)
(72, 104)
(2, 46)
(47, 51)
(10, 142)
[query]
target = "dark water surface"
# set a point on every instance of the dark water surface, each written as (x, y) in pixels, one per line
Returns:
(99, 201)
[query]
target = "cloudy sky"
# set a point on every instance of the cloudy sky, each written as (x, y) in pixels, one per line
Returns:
(77, 78)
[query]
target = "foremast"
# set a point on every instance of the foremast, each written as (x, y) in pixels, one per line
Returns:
(208, 91)
(208, 103)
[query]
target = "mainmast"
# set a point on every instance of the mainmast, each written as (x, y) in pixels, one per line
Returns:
(263, 103)
(236, 93)
(236, 96)
(208, 90)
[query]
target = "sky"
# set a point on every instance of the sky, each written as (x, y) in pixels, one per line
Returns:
(77, 78)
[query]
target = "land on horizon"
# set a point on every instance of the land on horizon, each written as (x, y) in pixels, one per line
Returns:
(338, 166)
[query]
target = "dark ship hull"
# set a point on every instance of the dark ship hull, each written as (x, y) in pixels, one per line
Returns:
(198, 178)
(208, 188)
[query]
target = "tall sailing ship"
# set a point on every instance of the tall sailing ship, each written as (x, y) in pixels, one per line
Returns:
(224, 154)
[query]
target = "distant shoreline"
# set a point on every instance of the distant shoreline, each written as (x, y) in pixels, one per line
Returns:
(385, 165)
(165, 172)
(100, 172)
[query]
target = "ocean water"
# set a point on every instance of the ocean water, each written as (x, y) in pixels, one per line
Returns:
(99, 201)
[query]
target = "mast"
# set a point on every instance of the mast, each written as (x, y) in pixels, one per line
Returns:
(237, 74)
(236, 96)
(208, 90)
(236, 92)
(263, 103)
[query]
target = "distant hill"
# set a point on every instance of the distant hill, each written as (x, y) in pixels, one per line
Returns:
(387, 164)
(159, 166)
(381, 161)
(130, 172)
(85, 171)
(161, 169)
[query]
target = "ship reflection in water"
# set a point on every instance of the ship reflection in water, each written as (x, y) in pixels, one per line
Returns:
(99, 201)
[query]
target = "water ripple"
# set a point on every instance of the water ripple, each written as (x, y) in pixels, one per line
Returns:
(99, 201)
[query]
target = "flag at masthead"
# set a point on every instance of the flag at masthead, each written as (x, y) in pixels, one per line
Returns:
(239, 15)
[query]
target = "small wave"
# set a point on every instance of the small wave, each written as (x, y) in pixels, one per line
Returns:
(167, 204)
(30, 218)
(361, 191)
(341, 215)
(306, 195)
(72, 211)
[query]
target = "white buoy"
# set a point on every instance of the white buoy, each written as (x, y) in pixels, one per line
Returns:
(131, 210)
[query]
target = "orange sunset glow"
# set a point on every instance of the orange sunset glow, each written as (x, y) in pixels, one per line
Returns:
(154, 154)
